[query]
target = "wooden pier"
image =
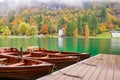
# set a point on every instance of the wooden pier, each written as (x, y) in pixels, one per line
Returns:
(100, 67)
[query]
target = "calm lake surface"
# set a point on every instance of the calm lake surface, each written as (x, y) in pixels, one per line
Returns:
(93, 45)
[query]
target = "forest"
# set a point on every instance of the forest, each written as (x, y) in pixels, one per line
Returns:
(90, 19)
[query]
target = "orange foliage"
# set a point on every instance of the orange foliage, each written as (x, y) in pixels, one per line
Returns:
(48, 17)
(102, 27)
(44, 29)
(111, 26)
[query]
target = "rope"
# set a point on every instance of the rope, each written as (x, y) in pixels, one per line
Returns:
(67, 73)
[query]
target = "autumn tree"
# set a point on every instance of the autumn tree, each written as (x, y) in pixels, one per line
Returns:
(75, 33)
(22, 28)
(14, 30)
(1, 25)
(34, 30)
(102, 28)
(87, 33)
(44, 29)
(5, 30)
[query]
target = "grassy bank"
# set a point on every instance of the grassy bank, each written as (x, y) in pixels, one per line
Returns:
(103, 35)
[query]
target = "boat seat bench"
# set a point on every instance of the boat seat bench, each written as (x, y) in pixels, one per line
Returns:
(16, 64)
(3, 59)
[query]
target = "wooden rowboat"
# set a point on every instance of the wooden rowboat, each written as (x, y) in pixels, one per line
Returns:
(58, 60)
(9, 50)
(22, 69)
(81, 56)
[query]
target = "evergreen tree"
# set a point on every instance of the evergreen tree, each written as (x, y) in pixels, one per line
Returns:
(103, 14)
(39, 22)
(27, 18)
(93, 24)
(11, 18)
(61, 22)
(70, 28)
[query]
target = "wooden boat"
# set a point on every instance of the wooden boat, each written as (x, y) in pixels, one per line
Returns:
(58, 60)
(22, 69)
(9, 50)
(81, 56)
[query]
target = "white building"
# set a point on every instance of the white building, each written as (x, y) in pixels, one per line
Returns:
(60, 32)
(115, 33)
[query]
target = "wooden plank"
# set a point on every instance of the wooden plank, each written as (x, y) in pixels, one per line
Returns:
(57, 74)
(117, 68)
(109, 75)
(16, 64)
(104, 70)
(102, 67)
(99, 68)
(71, 74)
(88, 69)
(3, 59)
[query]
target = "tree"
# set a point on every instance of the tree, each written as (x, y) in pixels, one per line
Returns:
(44, 29)
(5, 30)
(34, 30)
(14, 30)
(93, 25)
(39, 22)
(11, 18)
(86, 31)
(22, 28)
(79, 25)
(61, 23)
(28, 29)
(75, 32)
(103, 14)
(70, 28)
(1, 25)
(102, 28)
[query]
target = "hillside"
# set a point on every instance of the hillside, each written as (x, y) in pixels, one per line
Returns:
(82, 18)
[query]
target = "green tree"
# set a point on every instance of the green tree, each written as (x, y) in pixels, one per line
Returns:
(70, 28)
(22, 28)
(34, 30)
(14, 30)
(103, 14)
(93, 25)
(5, 30)
(27, 18)
(11, 18)
(80, 27)
(39, 22)
(61, 23)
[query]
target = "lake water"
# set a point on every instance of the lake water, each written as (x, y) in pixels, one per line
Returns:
(93, 45)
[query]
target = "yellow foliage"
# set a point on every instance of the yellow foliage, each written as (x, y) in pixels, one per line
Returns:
(75, 32)
(86, 31)
(102, 28)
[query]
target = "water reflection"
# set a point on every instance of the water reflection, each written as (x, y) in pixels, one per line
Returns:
(115, 45)
(86, 45)
(60, 43)
(94, 46)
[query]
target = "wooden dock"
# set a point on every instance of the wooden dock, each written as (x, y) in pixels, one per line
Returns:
(100, 67)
